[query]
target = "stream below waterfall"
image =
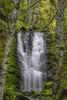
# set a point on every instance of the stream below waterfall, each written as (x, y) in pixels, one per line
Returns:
(32, 59)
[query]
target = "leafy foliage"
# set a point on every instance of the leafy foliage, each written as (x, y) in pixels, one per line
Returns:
(45, 12)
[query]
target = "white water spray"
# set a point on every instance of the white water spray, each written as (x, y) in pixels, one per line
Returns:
(31, 50)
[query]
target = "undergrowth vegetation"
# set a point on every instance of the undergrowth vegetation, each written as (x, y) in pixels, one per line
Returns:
(12, 86)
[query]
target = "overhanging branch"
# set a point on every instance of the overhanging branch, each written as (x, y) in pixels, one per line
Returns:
(28, 8)
(50, 21)
(2, 16)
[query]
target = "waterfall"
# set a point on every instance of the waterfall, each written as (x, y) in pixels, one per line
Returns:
(31, 51)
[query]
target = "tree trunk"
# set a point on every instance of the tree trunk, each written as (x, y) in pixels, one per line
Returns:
(35, 13)
(8, 46)
(29, 12)
(61, 41)
(32, 11)
(58, 52)
(27, 17)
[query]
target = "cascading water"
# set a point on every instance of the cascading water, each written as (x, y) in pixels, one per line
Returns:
(31, 51)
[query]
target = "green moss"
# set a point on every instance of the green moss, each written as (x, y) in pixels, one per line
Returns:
(64, 74)
(27, 93)
(12, 68)
(48, 85)
(46, 92)
(37, 94)
(39, 97)
(2, 47)
(32, 92)
(9, 93)
(50, 45)
(12, 81)
(19, 95)
(42, 94)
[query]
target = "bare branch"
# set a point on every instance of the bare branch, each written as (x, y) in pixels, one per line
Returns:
(7, 17)
(4, 8)
(2, 16)
(50, 21)
(28, 8)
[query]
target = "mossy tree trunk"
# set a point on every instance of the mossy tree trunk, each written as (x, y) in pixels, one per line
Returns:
(8, 46)
(58, 48)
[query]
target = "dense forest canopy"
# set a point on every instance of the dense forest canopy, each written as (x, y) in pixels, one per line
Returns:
(46, 9)
(48, 16)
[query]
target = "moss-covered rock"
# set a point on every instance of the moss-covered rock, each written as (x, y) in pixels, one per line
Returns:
(20, 96)
(48, 85)
(27, 93)
(9, 93)
(47, 92)
(43, 94)
(32, 91)
(37, 95)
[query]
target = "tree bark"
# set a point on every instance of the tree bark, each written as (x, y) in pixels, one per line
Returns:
(29, 12)
(35, 13)
(8, 46)
(27, 17)
(58, 52)
(32, 11)
(61, 41)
